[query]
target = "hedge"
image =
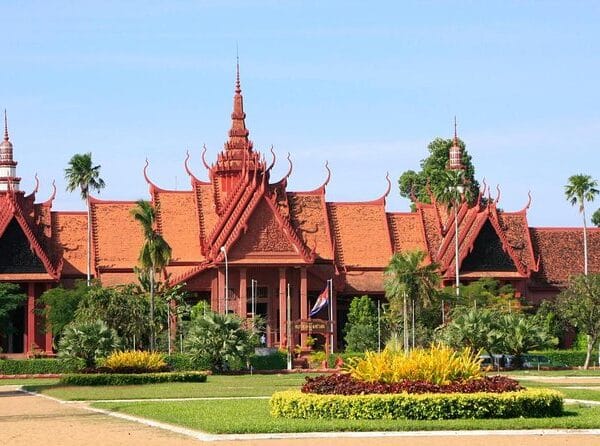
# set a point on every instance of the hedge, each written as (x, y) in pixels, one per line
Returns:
(39, 366)
(181, 362)
(123, 379)
(276, 361)
(570, 358)
(430, 406)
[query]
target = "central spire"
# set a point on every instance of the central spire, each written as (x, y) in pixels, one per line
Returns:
(238, 133)
(8, 166)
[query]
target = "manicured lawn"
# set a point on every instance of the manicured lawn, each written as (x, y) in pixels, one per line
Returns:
(252, 416)
(28, 381)
(571, 372)
(215, 386)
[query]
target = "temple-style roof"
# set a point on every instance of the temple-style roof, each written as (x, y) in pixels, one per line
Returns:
(560, 251)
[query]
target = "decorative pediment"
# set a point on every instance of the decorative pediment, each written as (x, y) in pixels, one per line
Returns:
(488, 253)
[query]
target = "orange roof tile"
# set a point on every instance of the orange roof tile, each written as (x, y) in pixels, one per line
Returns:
(115, 248)
(561, 253)
(179, 224)
(69, 230)
(308, 215)
(364, 281)
(360, 233)
(516, 228)
(205, 204)
(407, 232)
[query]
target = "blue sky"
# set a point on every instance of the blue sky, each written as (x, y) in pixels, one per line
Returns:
(364, 85)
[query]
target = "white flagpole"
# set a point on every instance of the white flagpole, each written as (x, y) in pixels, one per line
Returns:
(330, 283)
(288, 330)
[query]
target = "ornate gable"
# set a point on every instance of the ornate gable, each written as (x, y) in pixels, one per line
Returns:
(17, 254)
(487, 253)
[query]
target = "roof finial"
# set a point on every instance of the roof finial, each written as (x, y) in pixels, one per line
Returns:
(5, 126)
(455, 132)
(238, 88)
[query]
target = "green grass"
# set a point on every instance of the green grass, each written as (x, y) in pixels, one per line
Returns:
(252, 416)
(215, 386)
(28, 381)
(570, 372)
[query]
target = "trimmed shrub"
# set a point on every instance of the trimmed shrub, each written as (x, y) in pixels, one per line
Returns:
(134, 361)
(123, 379)
(438, 365)
(344, 384)
(182, 362)
(39, 366)
(89, 341)
(276, 361)
(570, 358)
(526, 403)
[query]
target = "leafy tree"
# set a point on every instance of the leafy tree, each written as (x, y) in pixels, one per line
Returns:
(582, 188)
(361, 329)
(88, 341)
(472, 327)
(83, 175)
(488, 293)
(10, 298)
(408, 279)
(155, 253)
(60, 306)
(518, 333)
(596, 217)
(433, 168)
(220, 340)
(579, 305)
(122, 308)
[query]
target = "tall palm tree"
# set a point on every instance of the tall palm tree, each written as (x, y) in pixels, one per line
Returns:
(83, 175)
(407, 277)
(155, 253)
(582, 188)
(451, 190)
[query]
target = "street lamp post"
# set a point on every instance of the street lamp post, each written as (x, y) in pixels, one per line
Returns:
(224, 251)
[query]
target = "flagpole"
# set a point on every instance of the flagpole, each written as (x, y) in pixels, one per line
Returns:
(330, 283)
(289, 326)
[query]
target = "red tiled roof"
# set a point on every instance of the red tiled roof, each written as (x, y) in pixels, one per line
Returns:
(407, 232)
(308, 215)
(361, 234)
(115, 248)
(561, 253)
(69, 229)
(179, 225)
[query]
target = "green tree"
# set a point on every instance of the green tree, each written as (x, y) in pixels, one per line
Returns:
(155, 253)
(582, 188)
(488, 293)
(471, 327)
(88, 341)
(220, 340)
(122, 308)
(83, 175)
(60, 305)
(408, 279)
(414, 184)
(579, 305)
(10, 298)
(361, 329)
(596, 217)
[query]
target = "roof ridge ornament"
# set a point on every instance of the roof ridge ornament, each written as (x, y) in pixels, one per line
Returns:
(455, 152)
(6, 138)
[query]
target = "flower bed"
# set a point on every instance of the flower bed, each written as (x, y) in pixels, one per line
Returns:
(345, 384)
(427, 406)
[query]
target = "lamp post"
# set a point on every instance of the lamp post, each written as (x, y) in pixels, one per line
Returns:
(224, 251)
(253, 285)
(458, 192)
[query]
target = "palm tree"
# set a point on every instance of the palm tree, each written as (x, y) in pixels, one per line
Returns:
(82, 175)
(451, 190)
(406, 277)
(582, 188)
(155, 253)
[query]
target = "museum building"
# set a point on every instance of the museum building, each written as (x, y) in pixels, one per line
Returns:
(238, 232)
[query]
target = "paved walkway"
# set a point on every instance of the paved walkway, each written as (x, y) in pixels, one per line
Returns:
(29, 420)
